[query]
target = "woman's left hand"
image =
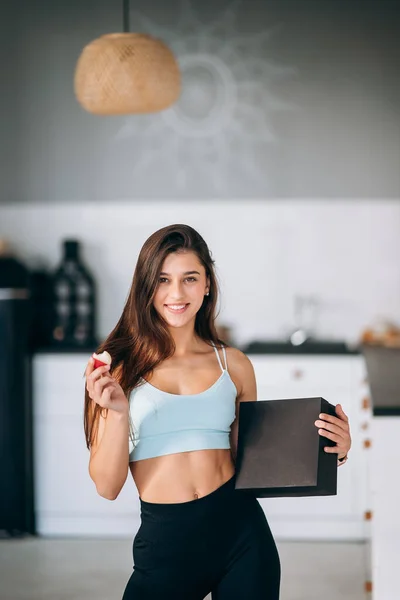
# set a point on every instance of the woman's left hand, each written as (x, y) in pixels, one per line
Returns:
(336, 429)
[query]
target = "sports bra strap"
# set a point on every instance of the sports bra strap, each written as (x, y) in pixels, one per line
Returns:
(225, 359)
(219, 360)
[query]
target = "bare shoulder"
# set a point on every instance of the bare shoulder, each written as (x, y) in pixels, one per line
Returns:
(238, 360)
(241, 370)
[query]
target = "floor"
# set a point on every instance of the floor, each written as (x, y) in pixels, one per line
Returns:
(54, 569)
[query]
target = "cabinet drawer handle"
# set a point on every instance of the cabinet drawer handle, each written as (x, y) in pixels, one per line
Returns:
(368, 586)
(298, 374)
(366, 403)
(367, 444)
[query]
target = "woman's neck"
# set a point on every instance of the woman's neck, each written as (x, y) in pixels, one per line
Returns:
(186, 340)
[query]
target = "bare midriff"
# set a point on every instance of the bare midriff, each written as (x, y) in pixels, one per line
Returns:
(182, 477)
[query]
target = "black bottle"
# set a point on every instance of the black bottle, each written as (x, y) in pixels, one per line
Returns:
(41, 303)
(73, 301)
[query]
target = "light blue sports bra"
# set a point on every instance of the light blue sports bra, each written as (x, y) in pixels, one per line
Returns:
(165, 423)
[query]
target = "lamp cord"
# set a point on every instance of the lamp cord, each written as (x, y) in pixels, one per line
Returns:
(125, 13)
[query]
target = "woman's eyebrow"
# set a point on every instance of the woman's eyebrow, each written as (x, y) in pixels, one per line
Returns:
(185, 273)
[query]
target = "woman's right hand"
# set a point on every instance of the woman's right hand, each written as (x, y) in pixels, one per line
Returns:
(105, 389)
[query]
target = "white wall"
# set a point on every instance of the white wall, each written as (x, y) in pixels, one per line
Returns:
(345, 252)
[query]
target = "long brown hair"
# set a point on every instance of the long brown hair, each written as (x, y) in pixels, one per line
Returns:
(141, 339)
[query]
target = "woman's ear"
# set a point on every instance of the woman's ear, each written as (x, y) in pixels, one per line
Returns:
(207, 290)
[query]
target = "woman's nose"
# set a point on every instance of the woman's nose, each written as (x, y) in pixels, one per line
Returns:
(176, 291)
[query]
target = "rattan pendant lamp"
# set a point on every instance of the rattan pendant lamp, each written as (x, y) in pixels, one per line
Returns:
(125, 73)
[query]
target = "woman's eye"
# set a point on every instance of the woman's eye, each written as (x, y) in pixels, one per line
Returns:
(165, 280)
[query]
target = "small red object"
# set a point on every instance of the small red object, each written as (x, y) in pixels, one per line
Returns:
(101, 360)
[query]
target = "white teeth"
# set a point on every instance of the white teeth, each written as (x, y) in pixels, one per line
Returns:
(176, 307)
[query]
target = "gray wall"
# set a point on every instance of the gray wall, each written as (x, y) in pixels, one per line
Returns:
(316, 115)
(9, 99)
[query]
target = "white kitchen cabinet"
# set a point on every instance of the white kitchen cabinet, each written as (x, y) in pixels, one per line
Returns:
(66, 499)
(338, 379)
(385, 490)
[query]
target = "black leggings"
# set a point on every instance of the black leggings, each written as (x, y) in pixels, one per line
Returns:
(220, 543)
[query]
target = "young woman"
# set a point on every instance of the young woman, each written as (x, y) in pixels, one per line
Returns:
(166, 410)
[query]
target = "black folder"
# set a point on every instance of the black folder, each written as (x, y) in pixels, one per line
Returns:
(280, 452)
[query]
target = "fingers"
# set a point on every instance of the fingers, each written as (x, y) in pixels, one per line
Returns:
(340, 450)
(332, 449)
(330, 436)
(95, 376)
(337, 430)
(339, 411)
(335, 421)
(100, 386)
(89, 367)
(102, 390)
(331, 427)
(96, 373)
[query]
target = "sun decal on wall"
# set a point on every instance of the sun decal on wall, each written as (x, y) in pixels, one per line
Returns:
(223, 116)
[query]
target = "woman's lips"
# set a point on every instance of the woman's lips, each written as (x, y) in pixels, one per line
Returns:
(177, 309)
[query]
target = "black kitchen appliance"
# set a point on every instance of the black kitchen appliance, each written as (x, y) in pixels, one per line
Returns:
(16, 460)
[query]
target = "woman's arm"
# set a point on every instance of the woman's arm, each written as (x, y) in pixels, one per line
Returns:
(109, 450)
(109, 456)
(242, 373)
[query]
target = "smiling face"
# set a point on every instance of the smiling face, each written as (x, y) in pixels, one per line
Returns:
(181, 289)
